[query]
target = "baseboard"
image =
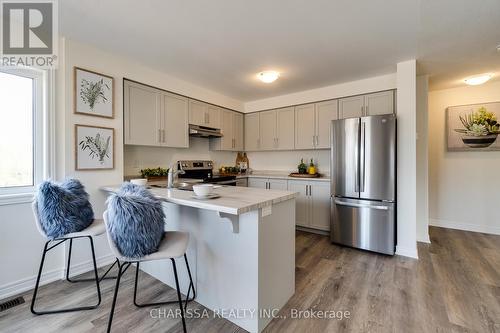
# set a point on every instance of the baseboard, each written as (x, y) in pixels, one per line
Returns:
(494, 230)
(424, 239)
(23, 285)
(314, 231)
(407, 252)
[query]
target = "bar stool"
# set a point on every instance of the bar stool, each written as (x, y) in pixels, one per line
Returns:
(95, 229)
(173, 245)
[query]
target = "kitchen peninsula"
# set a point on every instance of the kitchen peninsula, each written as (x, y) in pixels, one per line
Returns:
(242, 250)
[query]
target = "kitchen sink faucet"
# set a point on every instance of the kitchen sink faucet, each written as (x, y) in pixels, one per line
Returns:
(171, 175)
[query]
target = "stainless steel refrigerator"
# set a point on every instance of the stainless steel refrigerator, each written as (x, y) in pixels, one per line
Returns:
(363, 183)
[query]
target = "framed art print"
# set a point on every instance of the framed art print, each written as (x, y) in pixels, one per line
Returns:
(94, 93)
(94, 147)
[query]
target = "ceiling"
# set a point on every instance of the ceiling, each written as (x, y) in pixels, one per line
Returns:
(222, 44)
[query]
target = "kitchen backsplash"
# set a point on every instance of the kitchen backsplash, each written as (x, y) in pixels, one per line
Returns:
(140, 157)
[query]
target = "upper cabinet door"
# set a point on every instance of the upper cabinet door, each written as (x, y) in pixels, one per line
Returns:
(227, 130)
(379, 103)
(198, 112)
(175, 121)
(351, 107)
(267, 127)
(142, 115)
(325, 113)
(252, 131)
(238, 130)
(213, 117)
(305, 136)
(285, 129)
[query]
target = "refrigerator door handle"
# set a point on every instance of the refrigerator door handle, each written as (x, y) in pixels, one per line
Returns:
(356, 156)
(352, 204)
(362, 157)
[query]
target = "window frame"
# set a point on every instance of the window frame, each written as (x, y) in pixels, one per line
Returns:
(43, 121)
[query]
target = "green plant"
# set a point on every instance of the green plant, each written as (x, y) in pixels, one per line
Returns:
(479, 123)
(302, 166)
(92, 93)
(97, 146)
(154, 172)
(229, 169)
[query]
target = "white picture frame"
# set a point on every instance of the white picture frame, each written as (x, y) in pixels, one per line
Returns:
(94, 147)
(93, 93)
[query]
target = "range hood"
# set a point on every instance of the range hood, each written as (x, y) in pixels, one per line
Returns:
(204, 132)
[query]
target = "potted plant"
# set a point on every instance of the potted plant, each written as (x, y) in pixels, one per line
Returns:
(480, 128)
(154, 174)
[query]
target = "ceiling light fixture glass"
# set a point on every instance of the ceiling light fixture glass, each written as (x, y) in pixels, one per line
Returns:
(268, 76)
(478, 79)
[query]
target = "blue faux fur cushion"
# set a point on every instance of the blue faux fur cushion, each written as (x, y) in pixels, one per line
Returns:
(135, 221)
(63, 208)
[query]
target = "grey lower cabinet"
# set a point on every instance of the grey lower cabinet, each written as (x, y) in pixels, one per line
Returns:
(268, 183)
(313, 204)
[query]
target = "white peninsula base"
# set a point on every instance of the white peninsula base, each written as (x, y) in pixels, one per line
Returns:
(245, 276)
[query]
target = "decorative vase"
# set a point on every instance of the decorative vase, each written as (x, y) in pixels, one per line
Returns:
(482, 141)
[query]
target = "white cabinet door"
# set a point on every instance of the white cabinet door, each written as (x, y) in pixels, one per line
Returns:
(238, 129)
(257, 182)
(320, 205)
(213, 117)
(351, 107)
(304, 127)
(267, 130)
(285, 129)
(379, 103)
(226, 142)
(198, 113)
(175, 121)
(325, 113)
(252, 131)
(142, 115)
(301, 202)
(277, 184)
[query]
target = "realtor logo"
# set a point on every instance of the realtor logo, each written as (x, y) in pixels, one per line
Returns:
(29, 33)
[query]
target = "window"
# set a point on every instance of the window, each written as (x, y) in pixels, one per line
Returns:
(23, 130)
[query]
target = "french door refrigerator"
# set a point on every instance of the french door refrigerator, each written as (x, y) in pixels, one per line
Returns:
(363, 183)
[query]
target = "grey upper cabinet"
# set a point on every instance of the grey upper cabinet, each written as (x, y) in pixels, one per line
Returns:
(312, 124)
(203, 114)
(142, 115)
(325, 113)
(252, 136)
(351, 107)
(231, 124)
(285, 129)
(367, 105)
(175, 116)
(154, 117)
(379, 103)
(305, 126)
(267, 128)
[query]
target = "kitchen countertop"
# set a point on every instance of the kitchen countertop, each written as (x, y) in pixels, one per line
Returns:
(280, 175)
(234, 200)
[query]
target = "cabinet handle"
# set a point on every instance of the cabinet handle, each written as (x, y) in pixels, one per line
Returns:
(313, 141)
(310, 190)
(163, 135)
(258, 143)
(307, 190)
(159, 135)
(366, 110)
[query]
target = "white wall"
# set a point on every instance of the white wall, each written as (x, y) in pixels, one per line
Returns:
(422, 160)
(407, 159)
(463, 186)
(20, 262)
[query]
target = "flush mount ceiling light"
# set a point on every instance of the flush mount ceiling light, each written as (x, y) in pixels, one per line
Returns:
(268, 76)
(478, 79)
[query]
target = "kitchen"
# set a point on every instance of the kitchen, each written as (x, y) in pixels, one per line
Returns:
(305, 246)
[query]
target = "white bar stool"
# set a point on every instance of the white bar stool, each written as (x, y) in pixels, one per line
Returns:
(95, 229)
(173, 245)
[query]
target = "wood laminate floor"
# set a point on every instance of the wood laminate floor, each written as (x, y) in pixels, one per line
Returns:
(454, 287)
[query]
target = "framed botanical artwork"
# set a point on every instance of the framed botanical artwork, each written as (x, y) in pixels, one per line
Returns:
(94, 147)
(473, 127)
(94, 93)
